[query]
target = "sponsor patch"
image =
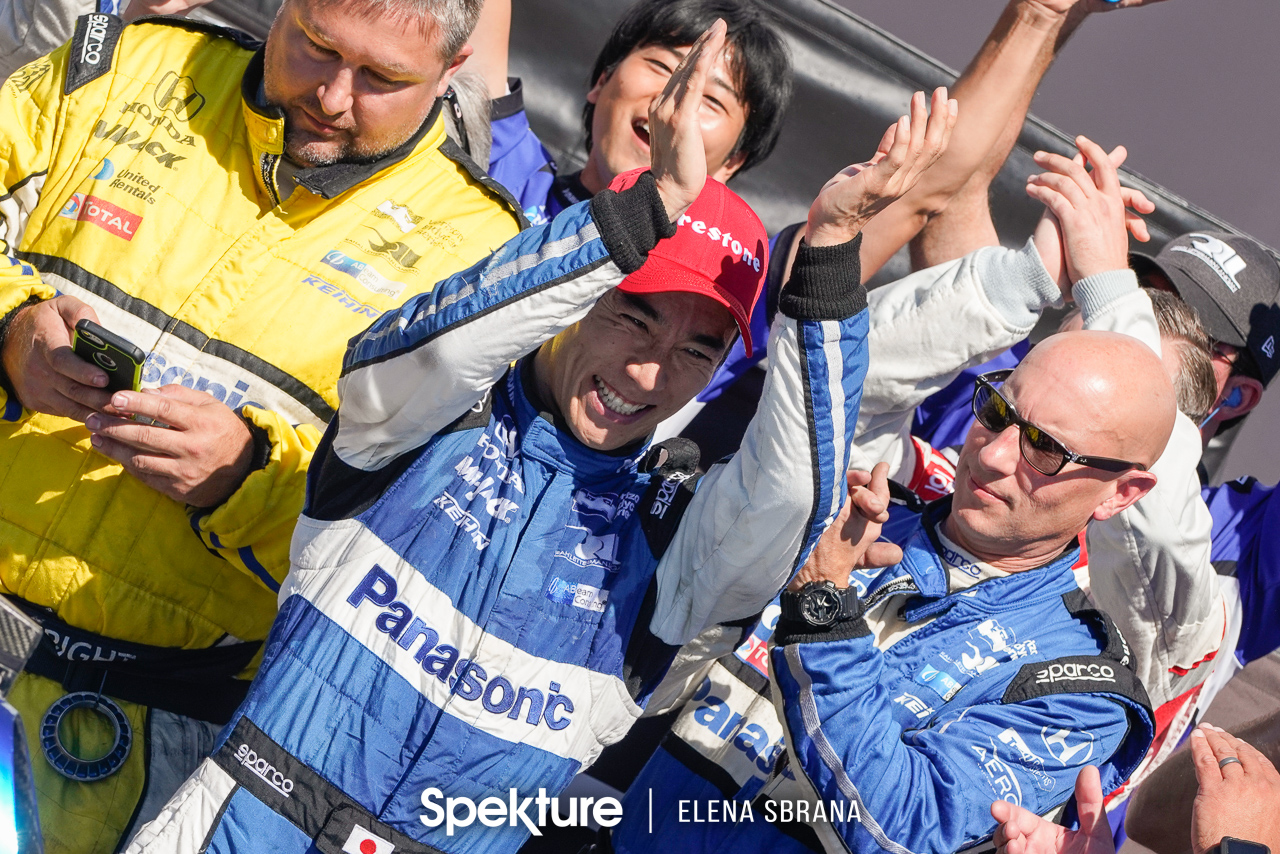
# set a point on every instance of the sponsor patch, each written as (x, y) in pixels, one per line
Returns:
(404, 218)
(577, 594)
(105, 215)
(363, 273)
(938, 681)
(347, 301)
(362, 841)
(93, 48)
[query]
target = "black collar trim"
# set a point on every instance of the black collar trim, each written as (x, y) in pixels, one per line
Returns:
(331, 181)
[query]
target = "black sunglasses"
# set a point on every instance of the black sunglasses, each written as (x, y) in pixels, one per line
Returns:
(1042, 452)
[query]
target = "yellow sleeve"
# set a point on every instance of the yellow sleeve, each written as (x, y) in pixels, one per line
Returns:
(30, 103)
(253, 527)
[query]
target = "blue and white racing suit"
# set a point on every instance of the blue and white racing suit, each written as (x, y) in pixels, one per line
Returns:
(1002, 691)
(479, 603)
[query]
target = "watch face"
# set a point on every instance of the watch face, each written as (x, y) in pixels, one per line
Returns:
(820, 606)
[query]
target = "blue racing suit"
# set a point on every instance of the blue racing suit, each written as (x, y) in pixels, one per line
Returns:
(479, 603)
(1001, 691)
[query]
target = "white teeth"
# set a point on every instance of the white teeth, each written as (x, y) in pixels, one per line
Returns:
(615, 403)
(644, 125)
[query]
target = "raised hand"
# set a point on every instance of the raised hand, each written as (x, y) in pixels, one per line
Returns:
(138, 8)
(1239, 792)
(1086, 7)
(676, 153)
(1023, 832)
(200, 459)
(1089, 213)
(857, 193)
(851, 541)
(41, 366)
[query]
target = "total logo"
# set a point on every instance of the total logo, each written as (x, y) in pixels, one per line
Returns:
(105, 215)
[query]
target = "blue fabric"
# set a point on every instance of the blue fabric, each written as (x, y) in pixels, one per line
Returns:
(475, 614)
(1246, 533)
(923, 736)
(520, 163)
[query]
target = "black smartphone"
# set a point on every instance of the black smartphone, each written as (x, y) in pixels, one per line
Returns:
(119, 358)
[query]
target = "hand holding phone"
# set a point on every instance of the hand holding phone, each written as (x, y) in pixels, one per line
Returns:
(119, 358)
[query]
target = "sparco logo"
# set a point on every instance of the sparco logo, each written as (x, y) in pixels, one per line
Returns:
(264, 769)
(1075, 672)
(91, 51)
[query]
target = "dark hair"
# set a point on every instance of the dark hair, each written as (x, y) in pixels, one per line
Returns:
(758, 61)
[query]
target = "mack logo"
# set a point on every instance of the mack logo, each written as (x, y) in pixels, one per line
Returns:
(94, 37)
(124, 135)
(270, 775)
(466, 679)
(1072, 672)
(178, 96)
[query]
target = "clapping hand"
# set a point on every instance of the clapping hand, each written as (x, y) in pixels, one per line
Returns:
(1089, 214)
(857, 193)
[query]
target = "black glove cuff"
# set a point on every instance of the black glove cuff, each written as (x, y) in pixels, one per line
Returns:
(825, 283)
(632, 222)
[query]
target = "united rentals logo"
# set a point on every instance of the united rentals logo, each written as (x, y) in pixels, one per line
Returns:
(270, 775)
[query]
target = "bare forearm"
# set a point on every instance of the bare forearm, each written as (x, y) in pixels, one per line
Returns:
(491, 40)
(994, 92)
(1160, 815)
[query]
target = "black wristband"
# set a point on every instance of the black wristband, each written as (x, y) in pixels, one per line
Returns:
(5, 323)
(788, 632)
(825, 283)
(632, 222)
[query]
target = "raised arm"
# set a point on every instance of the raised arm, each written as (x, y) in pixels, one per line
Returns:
(1149, 565)
(420, 367)
(754, 519)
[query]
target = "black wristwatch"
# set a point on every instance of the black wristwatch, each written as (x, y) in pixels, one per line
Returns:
(819, 604)
(1231, 845)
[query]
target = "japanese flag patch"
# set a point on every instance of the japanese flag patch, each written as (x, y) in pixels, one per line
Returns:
(362, 841)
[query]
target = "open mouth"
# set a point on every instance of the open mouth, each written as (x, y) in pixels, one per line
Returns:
(641, 129)
(614, 403)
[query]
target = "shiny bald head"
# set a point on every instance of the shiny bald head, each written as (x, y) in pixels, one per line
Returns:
(1100, 394)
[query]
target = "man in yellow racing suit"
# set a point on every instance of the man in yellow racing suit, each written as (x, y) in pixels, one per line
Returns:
(149, 186)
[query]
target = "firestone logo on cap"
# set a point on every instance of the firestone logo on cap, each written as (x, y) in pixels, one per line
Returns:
(724, 238)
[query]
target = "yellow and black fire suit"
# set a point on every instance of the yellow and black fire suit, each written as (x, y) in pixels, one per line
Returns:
(140, 175)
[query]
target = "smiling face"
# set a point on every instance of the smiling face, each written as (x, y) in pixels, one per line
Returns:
(620, 124)
(352, 86)
(632, 362)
